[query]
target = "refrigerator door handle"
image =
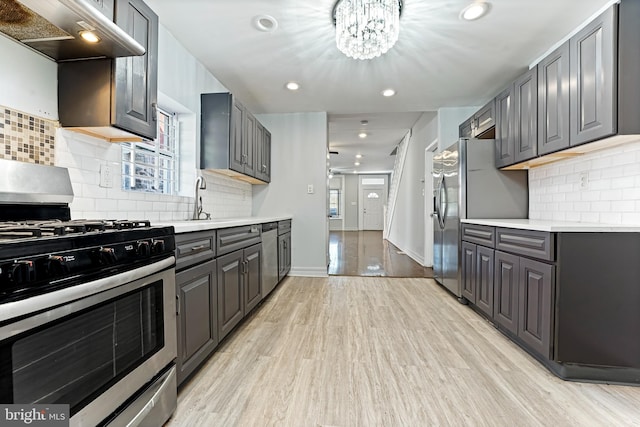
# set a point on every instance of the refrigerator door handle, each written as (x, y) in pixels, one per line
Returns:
(443, 203)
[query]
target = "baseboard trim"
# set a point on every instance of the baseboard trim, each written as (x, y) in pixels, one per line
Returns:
(309, 272)
(411, 254)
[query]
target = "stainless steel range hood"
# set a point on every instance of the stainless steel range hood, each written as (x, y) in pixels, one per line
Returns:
(53, 28)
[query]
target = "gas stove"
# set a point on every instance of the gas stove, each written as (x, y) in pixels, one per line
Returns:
(42, 249)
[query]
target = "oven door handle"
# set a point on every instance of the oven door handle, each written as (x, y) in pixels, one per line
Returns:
(27, 306)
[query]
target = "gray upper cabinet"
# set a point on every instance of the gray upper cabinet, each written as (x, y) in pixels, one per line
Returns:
(553, 101)
(504, 128)
(481, 124)
(592, 56)
(526, 116)
(232, 139)
(136, 82)
(115, 99)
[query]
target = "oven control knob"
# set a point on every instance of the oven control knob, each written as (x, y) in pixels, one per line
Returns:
(143, 248)
(57, 266)
(107, 256)
(22, 272)
(158, 247)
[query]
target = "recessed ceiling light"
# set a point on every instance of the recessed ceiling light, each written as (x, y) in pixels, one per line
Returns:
(356, 164)
(362, 135)
(474, 11)
(355, 171)
(358, 156)
(89, 36)
(388, 92)
(293, 86)
(265, 23)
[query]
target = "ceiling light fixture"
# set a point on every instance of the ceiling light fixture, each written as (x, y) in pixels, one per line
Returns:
(366, 29)
(388, 92)
(293, 86)
(362, 135)
(356, 164)
(358, 156)
(474, 11)
(265, 23)
(89, 36)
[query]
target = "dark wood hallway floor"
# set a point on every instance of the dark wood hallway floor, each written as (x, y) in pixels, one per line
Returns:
(365, 253)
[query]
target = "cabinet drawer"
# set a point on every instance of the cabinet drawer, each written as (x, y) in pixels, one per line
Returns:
(232, 239)
(535, 244)
(480, 234)
(284, 226)
(193, 248)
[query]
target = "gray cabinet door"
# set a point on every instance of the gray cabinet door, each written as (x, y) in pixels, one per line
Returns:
(266, 156)
(505, 291)
(484, 119)
(465, 130)
(484, 280)
(236, 151)
(136, 81)
(249, 144)
(469, 271)
(253, 276)
(526, 116)
(534, 322)
(593, 98)
(230, 292)
(505, 144)
(553, 101)
(197, 319)
(259, 150)
(284, 255)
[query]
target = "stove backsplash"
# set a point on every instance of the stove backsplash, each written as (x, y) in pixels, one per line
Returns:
(26, 138)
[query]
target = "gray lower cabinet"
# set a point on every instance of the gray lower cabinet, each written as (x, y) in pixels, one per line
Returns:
(197, 316)
(510, 288)
(284, 255)
(239, 279)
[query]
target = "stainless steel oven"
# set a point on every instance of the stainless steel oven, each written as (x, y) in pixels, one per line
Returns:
(87, 307)
(95, 346)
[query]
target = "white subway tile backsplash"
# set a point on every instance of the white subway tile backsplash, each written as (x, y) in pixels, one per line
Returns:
(612, 193)
(83, 156)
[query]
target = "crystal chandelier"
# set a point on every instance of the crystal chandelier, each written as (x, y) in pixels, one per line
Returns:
(366, 29)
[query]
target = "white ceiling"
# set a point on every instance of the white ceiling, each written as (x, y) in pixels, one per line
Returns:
(438, 61)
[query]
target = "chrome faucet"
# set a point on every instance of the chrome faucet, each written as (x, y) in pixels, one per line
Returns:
(201, 184)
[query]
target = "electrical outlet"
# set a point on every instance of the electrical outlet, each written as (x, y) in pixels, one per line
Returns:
(584, 179)
(310, 189)
(106, 176)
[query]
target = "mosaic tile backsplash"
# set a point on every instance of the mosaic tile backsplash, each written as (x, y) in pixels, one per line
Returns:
(26, 138)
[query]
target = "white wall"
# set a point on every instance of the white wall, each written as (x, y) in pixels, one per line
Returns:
(611, 195)
(298, 158)
(406, 230)
(449, 120)
(28, 80)
(351, 207)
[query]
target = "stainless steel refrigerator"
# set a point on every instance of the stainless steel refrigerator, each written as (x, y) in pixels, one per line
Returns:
(467, 185)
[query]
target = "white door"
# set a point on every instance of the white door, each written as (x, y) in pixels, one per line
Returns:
(373, 200)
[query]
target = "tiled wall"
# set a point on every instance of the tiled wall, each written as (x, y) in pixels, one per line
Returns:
(83, 156)
(611, 193)
(26, 138)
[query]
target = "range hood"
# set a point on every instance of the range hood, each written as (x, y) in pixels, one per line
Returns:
(53, 28)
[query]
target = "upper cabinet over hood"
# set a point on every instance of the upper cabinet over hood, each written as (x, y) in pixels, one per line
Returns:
(54, 28)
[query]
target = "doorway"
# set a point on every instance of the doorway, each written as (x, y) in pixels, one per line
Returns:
(372, 208)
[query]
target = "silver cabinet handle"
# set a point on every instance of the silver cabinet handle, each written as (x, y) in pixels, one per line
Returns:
(198, 248)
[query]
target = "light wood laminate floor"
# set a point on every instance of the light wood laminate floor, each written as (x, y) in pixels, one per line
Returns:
(362, 351)
(366, 253)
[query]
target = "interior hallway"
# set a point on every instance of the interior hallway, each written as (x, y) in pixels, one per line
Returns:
(374, 351)
(366, 253)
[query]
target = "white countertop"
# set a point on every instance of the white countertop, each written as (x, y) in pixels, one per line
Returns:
(554, 226)
(212, 224)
